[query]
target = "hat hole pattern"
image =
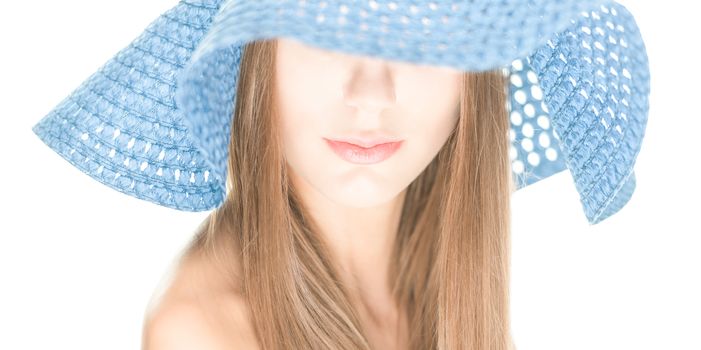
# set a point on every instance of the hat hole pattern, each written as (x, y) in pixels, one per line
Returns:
(391, 19)
(95, 128)
(531, 153)
(593, 112)
(609, 141)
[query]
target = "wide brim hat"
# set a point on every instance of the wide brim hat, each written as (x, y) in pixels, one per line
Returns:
(154, 121)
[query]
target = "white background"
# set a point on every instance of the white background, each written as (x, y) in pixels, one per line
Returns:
(79, 261)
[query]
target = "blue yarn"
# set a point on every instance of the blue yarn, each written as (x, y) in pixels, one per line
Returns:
(154, 121)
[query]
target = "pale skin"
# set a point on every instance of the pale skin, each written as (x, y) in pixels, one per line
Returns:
(332, 94)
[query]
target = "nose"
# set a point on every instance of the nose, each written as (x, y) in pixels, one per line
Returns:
(371, 86)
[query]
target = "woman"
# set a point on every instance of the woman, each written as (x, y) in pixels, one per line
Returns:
(361, 233)
(360, 194)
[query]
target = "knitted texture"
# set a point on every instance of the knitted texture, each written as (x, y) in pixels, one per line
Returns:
(154, 121)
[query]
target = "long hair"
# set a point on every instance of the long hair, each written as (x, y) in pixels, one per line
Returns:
(450, 262)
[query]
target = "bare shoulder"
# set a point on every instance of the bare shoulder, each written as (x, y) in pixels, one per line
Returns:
(198, 311)
(184, 326)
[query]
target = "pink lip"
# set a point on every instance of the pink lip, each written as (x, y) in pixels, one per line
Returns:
(361, 155)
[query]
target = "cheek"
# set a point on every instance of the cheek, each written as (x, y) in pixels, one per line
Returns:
(428, 137)
(434, 129)
(435, 110)
(300, 123)
(304, 149)
(300, 142)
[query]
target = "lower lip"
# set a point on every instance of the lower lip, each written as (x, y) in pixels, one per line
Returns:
(360, 155)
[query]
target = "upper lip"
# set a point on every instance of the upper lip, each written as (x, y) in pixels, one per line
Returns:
(367, 140)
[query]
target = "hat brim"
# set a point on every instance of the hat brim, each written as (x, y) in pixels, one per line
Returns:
(129, 127)
(121, 126)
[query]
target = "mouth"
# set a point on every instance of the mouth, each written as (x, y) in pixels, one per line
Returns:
(363, 155)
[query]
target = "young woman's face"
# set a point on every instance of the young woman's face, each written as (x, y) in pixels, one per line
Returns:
(331, 95)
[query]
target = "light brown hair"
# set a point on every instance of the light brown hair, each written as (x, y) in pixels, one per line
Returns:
(450, 263)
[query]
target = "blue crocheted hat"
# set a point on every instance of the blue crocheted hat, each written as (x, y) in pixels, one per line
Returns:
(154, 121)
